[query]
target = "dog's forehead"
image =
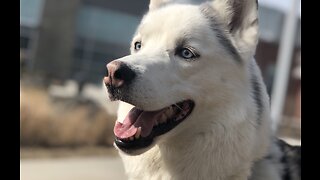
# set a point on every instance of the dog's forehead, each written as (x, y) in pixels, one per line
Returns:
(178, 19)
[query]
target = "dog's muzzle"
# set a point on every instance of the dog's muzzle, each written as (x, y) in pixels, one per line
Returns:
(140, 128)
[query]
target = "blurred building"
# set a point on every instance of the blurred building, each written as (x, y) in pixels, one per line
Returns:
(62, 40)
(272, 19)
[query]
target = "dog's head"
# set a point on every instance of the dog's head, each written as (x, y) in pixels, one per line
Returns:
(183, 58)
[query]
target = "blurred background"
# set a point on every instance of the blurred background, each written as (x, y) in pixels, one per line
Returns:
(66, 120)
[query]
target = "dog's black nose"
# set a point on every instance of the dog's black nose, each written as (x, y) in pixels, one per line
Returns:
(118, 74)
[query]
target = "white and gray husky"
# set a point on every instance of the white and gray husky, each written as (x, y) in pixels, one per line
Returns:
(193, 102)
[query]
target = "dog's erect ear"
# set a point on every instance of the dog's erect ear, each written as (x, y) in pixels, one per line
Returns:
(241, 19)
(154, 4)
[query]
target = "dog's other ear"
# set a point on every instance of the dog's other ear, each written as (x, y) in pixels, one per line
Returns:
(154, 4)
(241, 19)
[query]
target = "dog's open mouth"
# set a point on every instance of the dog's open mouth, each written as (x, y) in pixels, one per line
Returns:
(140, 127)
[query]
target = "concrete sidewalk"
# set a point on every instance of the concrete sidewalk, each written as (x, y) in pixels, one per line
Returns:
(82, 168)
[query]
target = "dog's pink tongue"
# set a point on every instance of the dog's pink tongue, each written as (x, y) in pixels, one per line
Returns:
(136, 118)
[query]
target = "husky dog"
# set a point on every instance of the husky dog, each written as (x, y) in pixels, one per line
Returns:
(193, 102)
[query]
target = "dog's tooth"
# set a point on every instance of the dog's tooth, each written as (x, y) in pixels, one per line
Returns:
(137, 135)
(171, 109)
(169, 112)
(163, 118)
(131, 138)
(156, 123)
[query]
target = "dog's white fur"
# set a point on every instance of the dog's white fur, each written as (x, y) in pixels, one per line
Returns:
(221, 138)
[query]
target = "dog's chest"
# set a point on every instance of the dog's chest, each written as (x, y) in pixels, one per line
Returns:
(148, 166)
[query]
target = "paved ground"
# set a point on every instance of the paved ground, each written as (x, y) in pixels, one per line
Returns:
(82, 168)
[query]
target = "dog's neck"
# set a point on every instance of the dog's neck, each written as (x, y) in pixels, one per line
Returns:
(223, 150)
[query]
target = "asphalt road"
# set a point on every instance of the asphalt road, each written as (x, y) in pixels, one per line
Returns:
(80, 168)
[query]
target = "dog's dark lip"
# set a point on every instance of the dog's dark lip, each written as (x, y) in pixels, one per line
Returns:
(114, 93)
(130, 146)
(117, 94)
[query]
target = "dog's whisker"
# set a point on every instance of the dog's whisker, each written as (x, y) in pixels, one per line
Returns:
(178, 107)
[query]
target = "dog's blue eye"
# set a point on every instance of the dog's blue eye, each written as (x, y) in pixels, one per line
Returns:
(137, 46)
(186, 53)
